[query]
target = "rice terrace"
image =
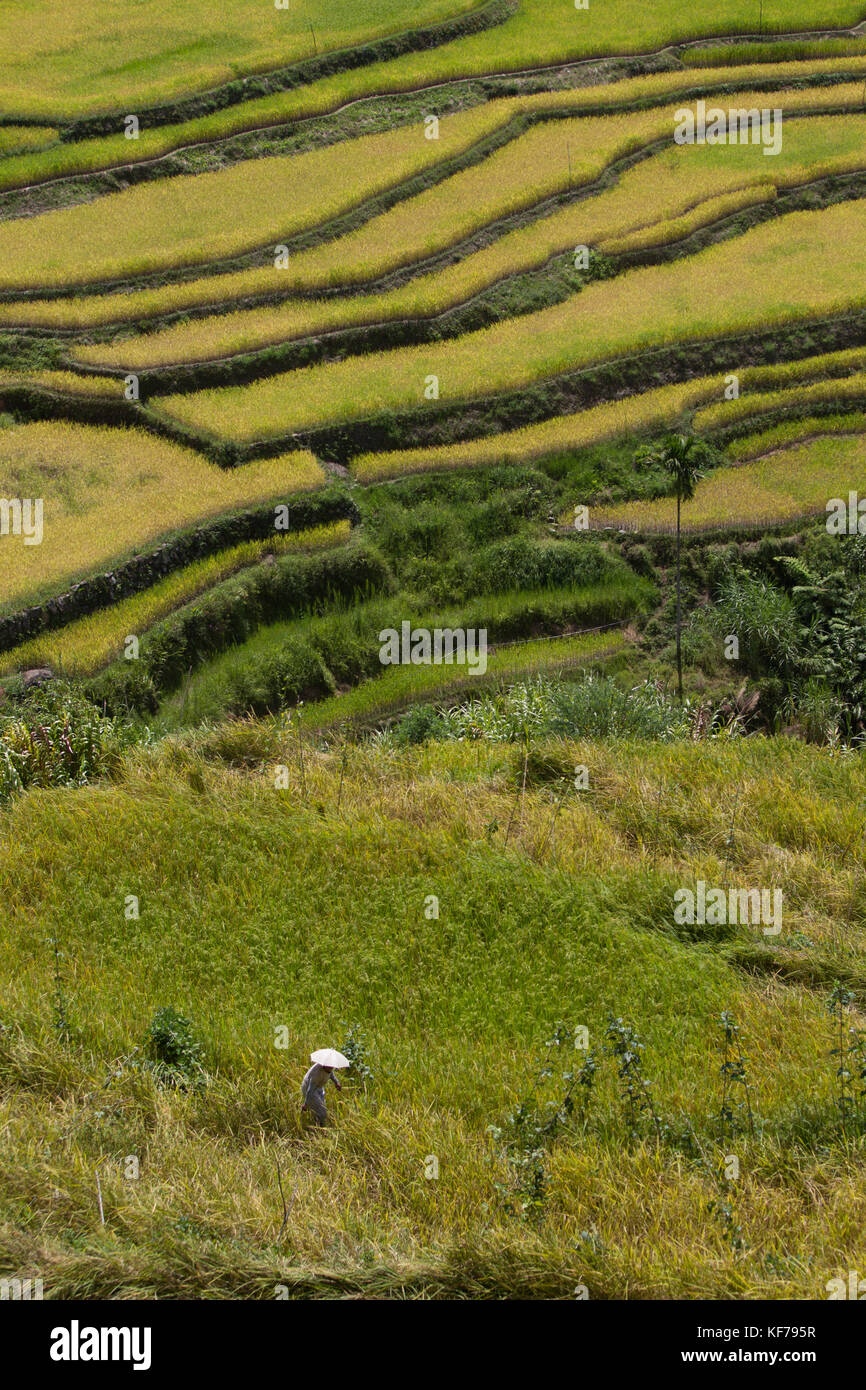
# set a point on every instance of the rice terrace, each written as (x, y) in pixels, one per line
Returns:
(433, 649)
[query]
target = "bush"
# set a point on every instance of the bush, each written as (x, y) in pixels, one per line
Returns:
(56, 738)
(519, 563)
(594, 707)
(173, 1053)
(294, 671)
(420, 724)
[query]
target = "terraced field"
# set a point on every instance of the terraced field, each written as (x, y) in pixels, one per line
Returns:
(326, 330)
(164, 51)
(786, 485)
(107, 491)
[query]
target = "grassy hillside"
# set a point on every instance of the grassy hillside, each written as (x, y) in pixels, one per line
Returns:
(325, 912)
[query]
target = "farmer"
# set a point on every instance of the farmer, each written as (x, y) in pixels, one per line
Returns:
(325, 1061)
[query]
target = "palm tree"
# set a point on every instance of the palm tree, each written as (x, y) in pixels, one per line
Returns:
(680, 455)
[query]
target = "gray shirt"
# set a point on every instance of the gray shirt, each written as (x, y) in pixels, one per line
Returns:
(315, 1079)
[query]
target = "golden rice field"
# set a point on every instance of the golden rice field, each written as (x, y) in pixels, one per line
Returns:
(792, 432)
(802, 50)
(83, 646)
(780, 273)
(665, 407)
(107, 492)
(371, 249)
(802, 369)
(193, 218)
(538, 34)
(97, 241)
(74, 60)
(328, 94)
(545, 28)
(786, 485)
(725, 413)
(63, 383)
(21, 139)
(662, 407)
(678, 178)
(557, 899)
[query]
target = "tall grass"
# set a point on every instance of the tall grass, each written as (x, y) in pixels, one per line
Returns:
(526, 935)
(592, 707)
(341, 648)
(401, 686)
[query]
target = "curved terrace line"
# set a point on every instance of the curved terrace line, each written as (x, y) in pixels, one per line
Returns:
(364, 212)
(564, 393)
(101, 181)
(385, 48)
(382, 334)
(488, 16)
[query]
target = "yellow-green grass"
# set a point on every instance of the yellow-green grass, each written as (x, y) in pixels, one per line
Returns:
(785, 50)
(79, 60)
(193, 218)
(23, 139)
(725, 413)
(783, 272)
(401, 685)
(526, 934)
(108, 491)
(62, 383)
(680, 179)
(792, 432)
(783, 486)
(89, 643)
(663, 406)
(410, 230)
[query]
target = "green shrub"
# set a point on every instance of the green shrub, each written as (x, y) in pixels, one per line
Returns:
(293, 672)
(519, 563)
(55, 737)
(173, 1053)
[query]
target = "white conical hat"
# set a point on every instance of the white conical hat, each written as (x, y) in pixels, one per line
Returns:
(329, 1057)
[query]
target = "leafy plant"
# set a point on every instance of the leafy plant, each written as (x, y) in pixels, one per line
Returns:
(733, 1073)
(528, 1132)
(354, 1048)
(626, 1047)
(174, 1055)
